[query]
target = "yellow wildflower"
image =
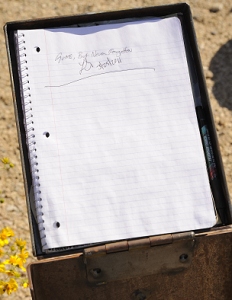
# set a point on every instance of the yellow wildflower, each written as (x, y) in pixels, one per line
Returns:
(17, 261)
(2, 268)
(12, 273)
(8, 231)
(25, 284)
(6, 161)
(3, 242)
(23, 255)
(11, 286)
(4, 234)
(22, 267)
(14, 260)
(20, 243)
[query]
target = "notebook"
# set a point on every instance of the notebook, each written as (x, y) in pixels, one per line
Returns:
(113, 140)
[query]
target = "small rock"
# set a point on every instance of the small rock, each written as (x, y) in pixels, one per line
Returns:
(216, 7)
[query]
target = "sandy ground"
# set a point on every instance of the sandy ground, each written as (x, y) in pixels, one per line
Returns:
(213, 21)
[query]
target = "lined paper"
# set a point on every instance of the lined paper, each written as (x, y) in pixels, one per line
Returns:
(124, 157)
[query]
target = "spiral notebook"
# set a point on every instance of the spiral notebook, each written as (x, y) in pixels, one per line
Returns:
(113, 140)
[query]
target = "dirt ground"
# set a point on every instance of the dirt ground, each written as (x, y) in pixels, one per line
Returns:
(213, 22)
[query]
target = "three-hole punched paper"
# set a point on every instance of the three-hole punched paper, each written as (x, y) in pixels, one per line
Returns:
(113, 138)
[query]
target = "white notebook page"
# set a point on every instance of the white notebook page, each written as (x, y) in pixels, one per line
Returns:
(124, 157)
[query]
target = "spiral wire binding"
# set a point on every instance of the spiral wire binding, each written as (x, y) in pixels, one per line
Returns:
(31, 142)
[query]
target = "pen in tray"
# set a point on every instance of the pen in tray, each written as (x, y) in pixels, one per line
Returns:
(210, 158)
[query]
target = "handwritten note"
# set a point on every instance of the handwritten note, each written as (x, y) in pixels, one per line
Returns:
(123, 157)
(106, 59)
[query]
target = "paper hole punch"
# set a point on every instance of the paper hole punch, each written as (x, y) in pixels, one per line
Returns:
(47, 134)
(56, 224)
